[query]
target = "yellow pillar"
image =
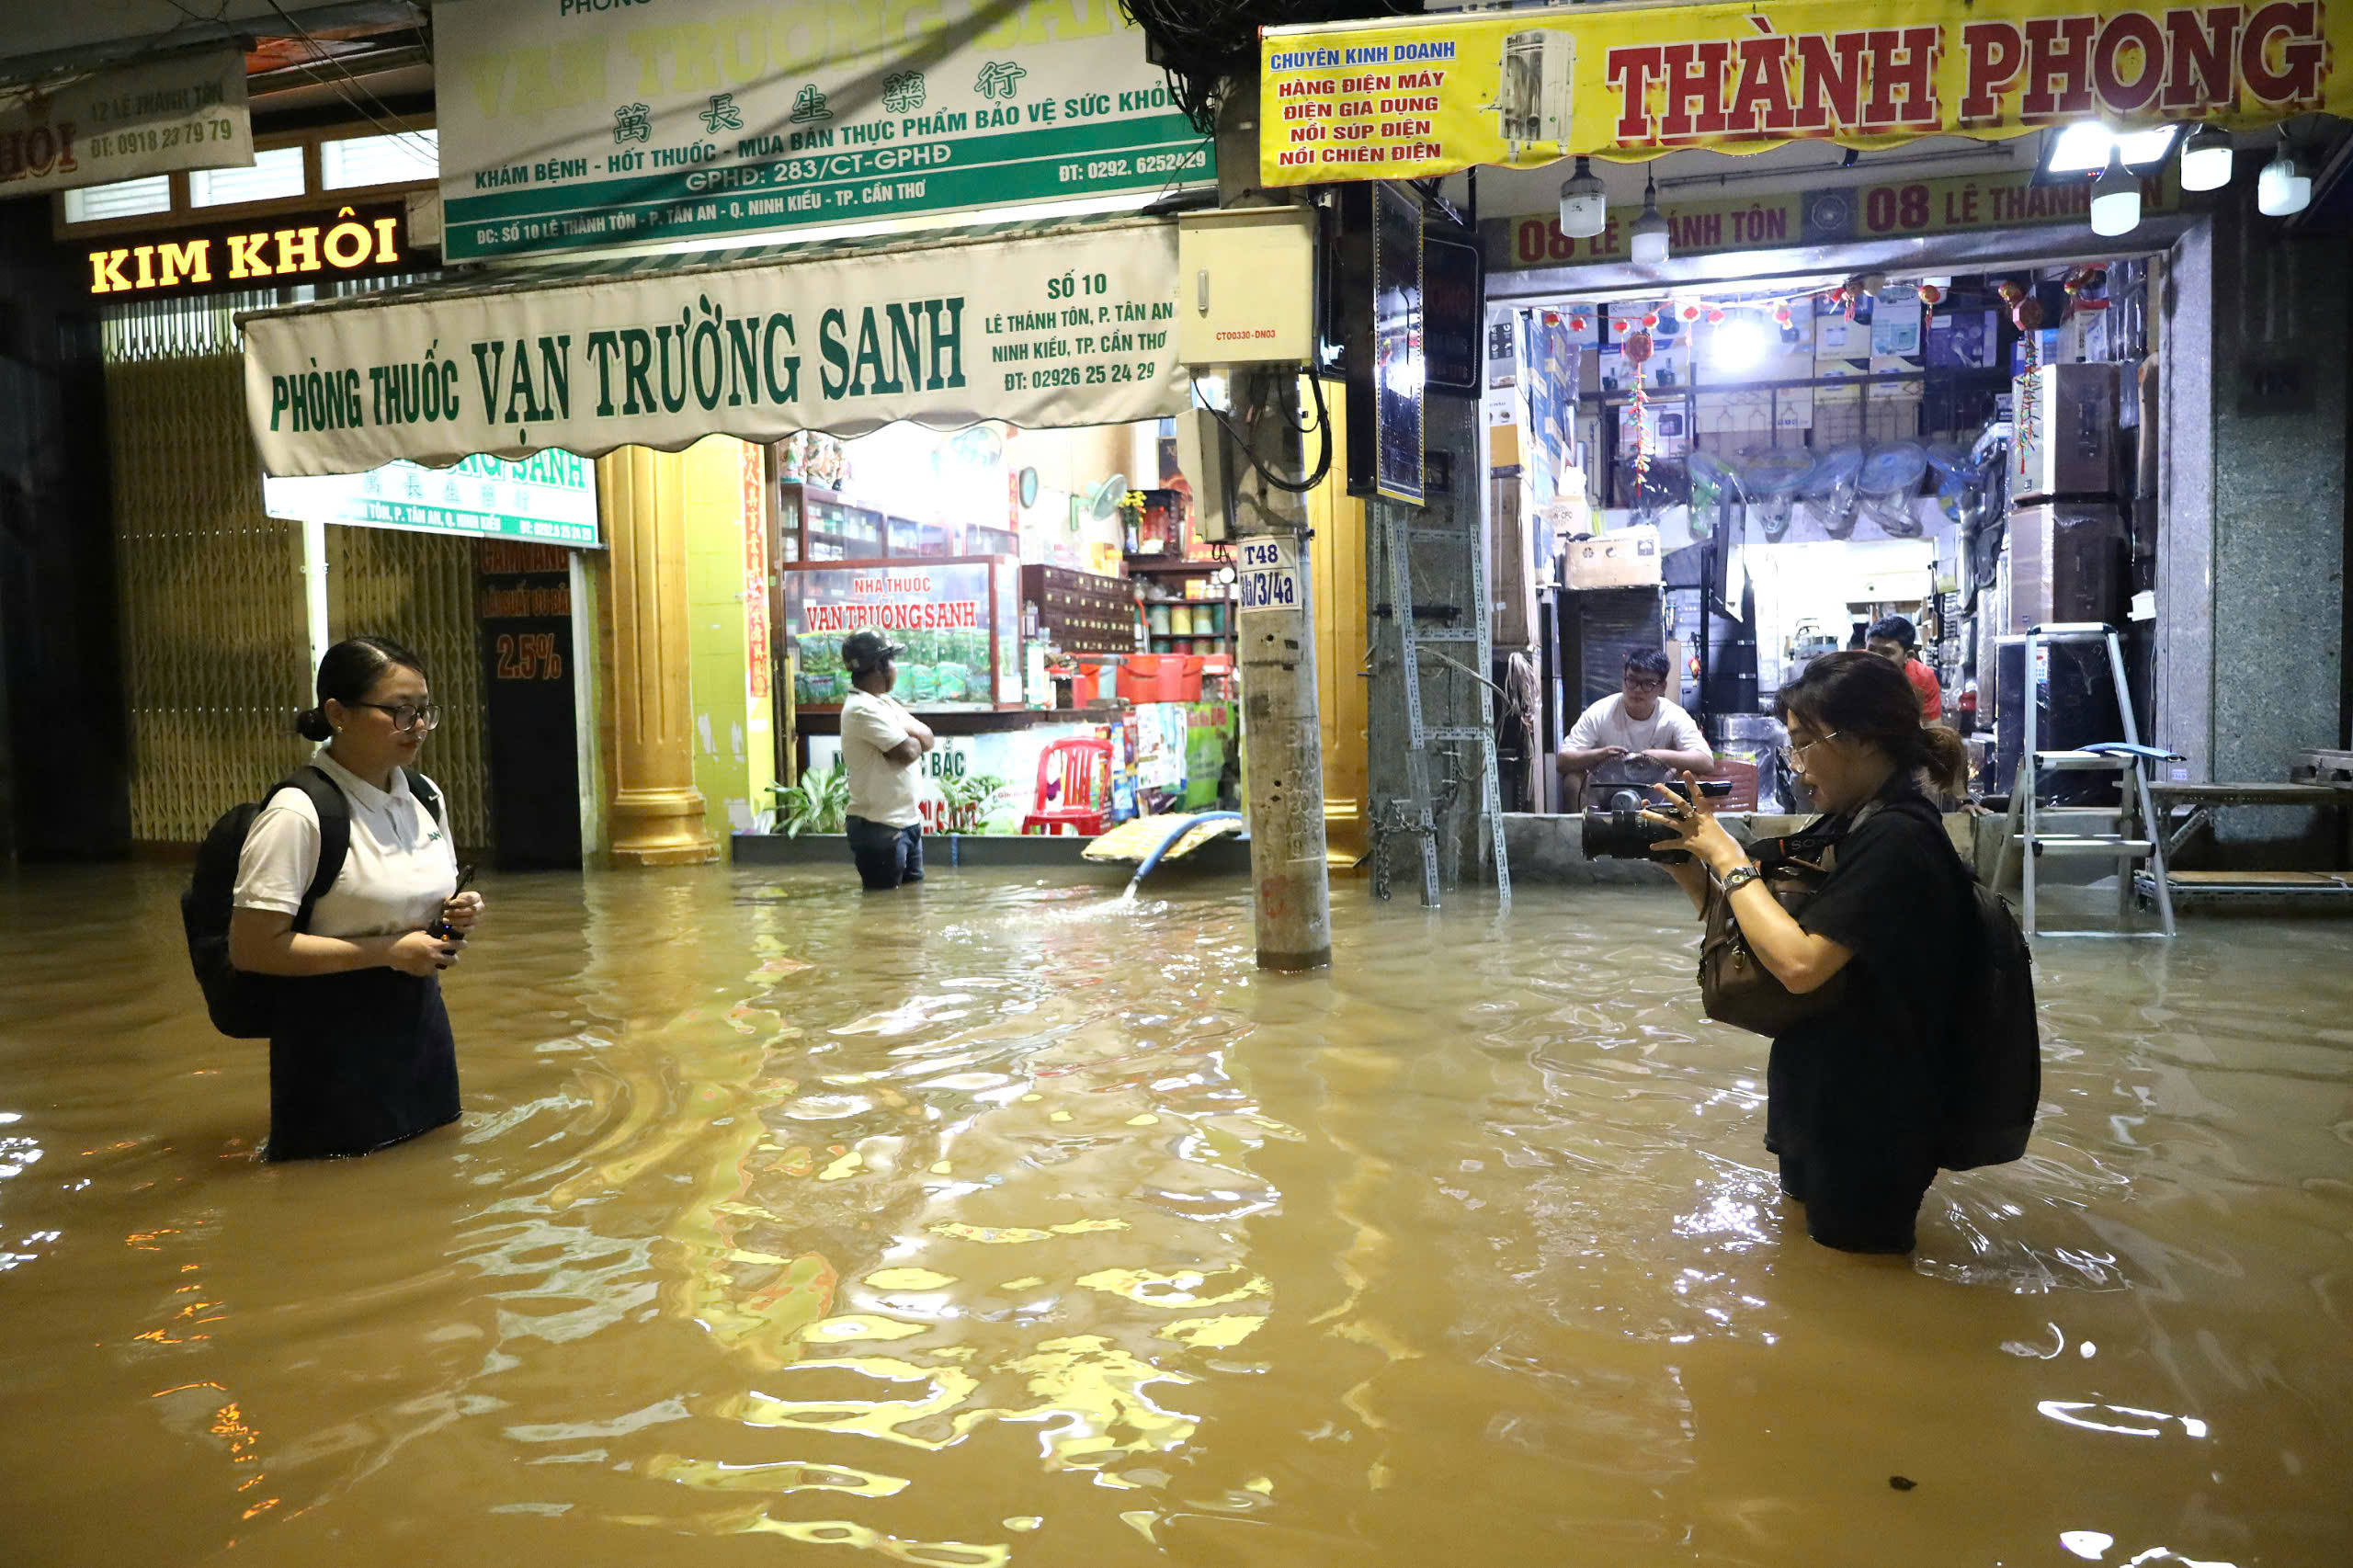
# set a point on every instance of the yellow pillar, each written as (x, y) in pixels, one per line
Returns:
(1340, 642)
(656, 812)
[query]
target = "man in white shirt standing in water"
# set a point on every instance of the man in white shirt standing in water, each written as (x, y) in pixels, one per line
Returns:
(1638, 734)
(881, 743)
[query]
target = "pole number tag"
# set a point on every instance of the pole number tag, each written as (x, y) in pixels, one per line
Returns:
(1269, 575)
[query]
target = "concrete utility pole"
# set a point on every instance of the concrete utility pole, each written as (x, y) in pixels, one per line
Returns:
(1281, 722)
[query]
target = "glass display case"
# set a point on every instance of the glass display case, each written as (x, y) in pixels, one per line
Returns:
(982, 540)
(816, 524)
(959, 617)
(907, 538)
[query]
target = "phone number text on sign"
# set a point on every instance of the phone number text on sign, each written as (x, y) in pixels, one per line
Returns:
(1269, 575)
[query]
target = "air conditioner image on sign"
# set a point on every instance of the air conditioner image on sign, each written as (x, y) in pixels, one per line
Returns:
(1536, 97)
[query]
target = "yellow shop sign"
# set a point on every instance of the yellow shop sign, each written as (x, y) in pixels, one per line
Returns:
(1416, 98)
(353, 243)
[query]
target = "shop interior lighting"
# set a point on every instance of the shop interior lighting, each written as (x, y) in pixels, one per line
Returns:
(2087, 147)
(2284, 187)
(1650, 229)
(1739, 342)
(2116, 199)
(1584, 209)
(2206, 159)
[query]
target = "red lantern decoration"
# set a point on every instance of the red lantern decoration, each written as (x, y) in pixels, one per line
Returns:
(2081, 280)
(2026, 314)
(1930, 294)
(1782, 313)
(1715, 318)
(2011, 293)
(1620, 327)
(1690, 312)
(1651, 320)
(1637, 348)
(1576, 324)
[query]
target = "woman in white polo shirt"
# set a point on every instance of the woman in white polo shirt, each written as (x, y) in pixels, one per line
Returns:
(360, 1053)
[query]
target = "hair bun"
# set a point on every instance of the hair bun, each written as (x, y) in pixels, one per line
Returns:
(312, 725)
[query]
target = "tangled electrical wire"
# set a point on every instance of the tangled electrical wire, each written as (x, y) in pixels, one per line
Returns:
(1203, 45)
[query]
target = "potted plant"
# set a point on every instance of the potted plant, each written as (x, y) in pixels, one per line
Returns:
(818, 803)
(968, 800)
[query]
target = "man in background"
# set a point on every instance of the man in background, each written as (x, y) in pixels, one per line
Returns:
(881, 743)
(1637, 737)
(1894, 640)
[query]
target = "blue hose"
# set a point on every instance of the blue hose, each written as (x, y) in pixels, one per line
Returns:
(1182, 828)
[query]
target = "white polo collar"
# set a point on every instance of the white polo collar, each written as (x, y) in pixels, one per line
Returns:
(358, 788)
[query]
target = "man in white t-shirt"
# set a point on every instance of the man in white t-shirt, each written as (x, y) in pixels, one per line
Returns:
(881, 743)
(1637, 737)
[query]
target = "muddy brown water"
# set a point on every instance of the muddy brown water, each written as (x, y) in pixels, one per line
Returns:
(1001, 1223)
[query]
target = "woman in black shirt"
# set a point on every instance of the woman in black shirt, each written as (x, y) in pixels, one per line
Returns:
(1856, 1096)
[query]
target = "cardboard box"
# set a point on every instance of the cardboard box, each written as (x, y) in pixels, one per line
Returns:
(1962, 340)
(1503, 446)
(1625, 558)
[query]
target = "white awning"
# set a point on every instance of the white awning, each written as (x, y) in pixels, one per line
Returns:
(1045, 325)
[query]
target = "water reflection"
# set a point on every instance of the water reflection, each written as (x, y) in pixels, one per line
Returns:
(1008, 1223)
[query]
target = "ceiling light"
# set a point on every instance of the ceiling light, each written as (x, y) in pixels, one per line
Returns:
(2206, 159)
(1650, 229)
(2284, 187)
(2116, 199)
(1585, 210)
(2086, 147)
(1739, 342)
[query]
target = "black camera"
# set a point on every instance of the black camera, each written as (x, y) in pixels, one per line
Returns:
(1621, 833)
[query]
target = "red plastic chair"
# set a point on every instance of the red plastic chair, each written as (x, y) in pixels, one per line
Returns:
(1074, 789)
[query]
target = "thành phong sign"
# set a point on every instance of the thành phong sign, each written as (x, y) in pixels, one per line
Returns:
(1046, 327)
(261, 253)
(572, 124)
(1410, 99)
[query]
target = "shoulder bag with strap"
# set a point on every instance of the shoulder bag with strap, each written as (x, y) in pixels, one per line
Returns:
(1735, 987)
(238, 1002)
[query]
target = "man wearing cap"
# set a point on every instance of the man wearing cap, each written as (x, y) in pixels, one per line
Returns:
(881, 743)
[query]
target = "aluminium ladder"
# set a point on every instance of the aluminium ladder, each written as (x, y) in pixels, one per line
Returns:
(1415, 816)
(2140, 835)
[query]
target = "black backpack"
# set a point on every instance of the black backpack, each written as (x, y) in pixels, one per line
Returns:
(239, 1003)
(1996, 1065)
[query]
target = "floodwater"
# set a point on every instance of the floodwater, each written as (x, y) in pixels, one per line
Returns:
(999, 1222)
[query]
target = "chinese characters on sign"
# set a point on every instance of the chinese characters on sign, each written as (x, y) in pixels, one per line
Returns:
(807, 114)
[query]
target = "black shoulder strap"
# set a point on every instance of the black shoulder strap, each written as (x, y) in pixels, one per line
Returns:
(334, 834)
(427, 795)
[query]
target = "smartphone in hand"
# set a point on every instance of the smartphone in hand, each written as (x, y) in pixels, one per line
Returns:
(440, 930)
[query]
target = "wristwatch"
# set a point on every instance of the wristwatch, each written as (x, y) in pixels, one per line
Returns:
(1741, 877)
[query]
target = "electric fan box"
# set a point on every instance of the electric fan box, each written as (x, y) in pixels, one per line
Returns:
(1623, 558)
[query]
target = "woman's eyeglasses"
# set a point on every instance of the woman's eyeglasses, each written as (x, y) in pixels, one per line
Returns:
(1795, 756)
(407, 716)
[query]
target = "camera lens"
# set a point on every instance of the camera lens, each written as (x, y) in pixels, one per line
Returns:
(1622, 835)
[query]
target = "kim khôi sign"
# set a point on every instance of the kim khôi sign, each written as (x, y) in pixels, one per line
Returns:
(1058, 327)
(353, 242)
